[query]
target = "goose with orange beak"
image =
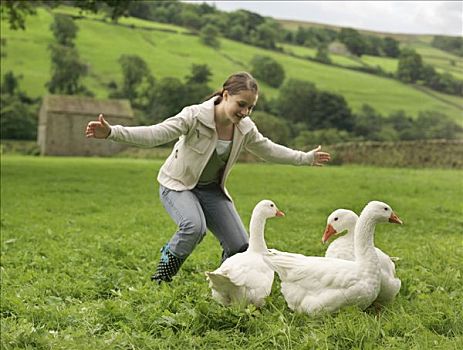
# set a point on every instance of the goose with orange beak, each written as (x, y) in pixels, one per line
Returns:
(245, 278)
(316, 285)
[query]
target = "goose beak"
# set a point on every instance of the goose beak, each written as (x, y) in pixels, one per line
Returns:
(279, 213)
(395, 219)
(329, 231)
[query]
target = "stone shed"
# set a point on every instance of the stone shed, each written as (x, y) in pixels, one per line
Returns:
(63, 119)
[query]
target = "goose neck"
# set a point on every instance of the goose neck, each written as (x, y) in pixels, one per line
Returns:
(350, 232)
(256, 239)
(364, 248)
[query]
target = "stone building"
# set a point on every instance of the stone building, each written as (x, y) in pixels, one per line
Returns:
(63, 119)
(338, 48)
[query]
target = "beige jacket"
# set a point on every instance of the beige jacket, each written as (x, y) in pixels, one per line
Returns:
(195, 128)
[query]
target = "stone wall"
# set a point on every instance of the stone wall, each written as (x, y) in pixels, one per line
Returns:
(413, 154)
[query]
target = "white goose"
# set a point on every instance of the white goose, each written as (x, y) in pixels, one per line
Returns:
(343, 248)
(245, 278)
(316, 284)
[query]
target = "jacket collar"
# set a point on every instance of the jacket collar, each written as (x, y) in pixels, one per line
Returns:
(206, 112)
(206, 117)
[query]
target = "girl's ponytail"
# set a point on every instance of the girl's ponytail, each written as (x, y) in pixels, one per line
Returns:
(217, 93)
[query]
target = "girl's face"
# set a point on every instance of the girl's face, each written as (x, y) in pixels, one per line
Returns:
(240, 105)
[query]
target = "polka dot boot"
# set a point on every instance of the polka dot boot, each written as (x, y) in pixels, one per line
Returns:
(168, 266)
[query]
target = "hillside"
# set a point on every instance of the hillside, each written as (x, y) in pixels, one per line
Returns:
(170, 51)
(403, 38)
(441, 60)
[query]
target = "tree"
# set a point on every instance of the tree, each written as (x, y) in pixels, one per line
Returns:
(288, 36)
(368, 123)
(137, 79)
(140, 9)
(403, 125)
(428, 73)
(300, 102)
(449, 44)
(410, 66)
(322, 54)
(2, 47)
(168, 99)
(274, 128)
(436, 125)
(67, 71)
(191, 19)
(209, 35)
(445, 82)
(236, 33)
(15, 11)
(200, 74)
(296, 100)
(268, 70)
(300, 36)
(216, 19)
(66, 68)
(373, 45)
(391, 47)
(330, 111)
(353, 41)
(196, 84)
(265, 35)
(64, 30)
(165, 11)
(247, 20)
(10, 83)
(266, 105)
(18, 120)
(114, 8)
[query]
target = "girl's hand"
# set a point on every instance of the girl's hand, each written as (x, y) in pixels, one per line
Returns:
(320, 158)
(98, 129)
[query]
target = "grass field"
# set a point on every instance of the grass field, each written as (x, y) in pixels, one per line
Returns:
(441, 60)
(309, 52)
(81, 236)
(100, 45)
(387, 64)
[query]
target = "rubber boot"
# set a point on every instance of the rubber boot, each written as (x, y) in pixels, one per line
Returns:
(168, 266)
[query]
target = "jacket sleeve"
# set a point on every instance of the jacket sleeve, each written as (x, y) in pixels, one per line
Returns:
(155, 135)
(262, 147)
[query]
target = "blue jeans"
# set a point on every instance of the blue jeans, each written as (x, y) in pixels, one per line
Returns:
(204, 207)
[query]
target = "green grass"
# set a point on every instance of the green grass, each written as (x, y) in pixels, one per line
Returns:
(81, 236)
(385, 95)
(303, 51)
(100, 45)
(386, 63)
(27, 53)
(441, 60)
(122, 20)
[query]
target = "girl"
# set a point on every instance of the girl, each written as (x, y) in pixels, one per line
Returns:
(192, 179)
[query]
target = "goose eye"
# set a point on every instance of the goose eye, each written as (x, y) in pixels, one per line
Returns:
(335, 219)
(386, 209)
(271, 205)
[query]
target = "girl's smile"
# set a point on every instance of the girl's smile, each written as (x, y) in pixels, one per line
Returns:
(240, 105)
